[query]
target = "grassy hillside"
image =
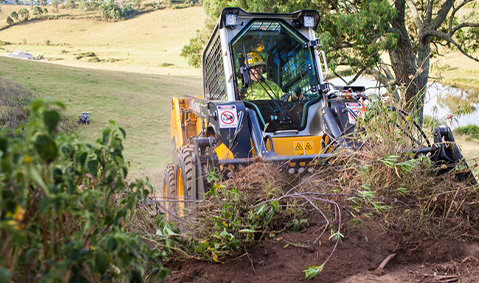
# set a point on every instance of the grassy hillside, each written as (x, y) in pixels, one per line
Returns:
(139, 103)
(149, 43)
(456, 69)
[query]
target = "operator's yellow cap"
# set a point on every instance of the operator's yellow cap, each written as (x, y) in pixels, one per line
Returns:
(254, 59)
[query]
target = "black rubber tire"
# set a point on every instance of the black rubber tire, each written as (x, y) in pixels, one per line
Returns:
(183, 177)
(169, 183)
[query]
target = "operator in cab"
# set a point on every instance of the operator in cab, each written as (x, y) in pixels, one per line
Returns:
(261, 88)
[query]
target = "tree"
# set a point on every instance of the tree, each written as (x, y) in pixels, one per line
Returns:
(14, 15)
(448, 23)
(356, 33)
(71, 4)
(17, 2)
(24, 13)
(10, 21)
(55, 6)
(83, 6)
(37, 11)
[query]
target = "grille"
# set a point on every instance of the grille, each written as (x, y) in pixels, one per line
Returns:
(214, 81)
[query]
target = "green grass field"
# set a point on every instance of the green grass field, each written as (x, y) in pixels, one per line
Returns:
(140, 103)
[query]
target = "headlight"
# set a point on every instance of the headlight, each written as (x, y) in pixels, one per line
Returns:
(308, 21)
(231, 20)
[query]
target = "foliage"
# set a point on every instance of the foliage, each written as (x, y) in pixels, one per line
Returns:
(70, 4)
(9, 21)
(228, 222)
(311, 271)
(430, 122)
(55, 5)
(63, 204)
(193, 51)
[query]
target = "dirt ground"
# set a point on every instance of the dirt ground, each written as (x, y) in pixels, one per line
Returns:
(356, 259)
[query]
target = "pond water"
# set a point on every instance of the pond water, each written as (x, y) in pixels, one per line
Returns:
(440, 101)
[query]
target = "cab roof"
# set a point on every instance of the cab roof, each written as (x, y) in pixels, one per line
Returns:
(295, 16)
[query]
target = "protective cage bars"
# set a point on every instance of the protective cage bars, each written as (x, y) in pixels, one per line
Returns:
(214, 82)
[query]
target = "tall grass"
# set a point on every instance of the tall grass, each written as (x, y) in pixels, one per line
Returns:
(13, 101)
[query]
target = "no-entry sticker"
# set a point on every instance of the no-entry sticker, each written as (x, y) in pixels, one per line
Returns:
(228, 117)
(357, 109)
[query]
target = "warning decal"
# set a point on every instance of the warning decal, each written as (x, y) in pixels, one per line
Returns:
(308, 148)
(298, 148)
(228, 117)
(302, 148)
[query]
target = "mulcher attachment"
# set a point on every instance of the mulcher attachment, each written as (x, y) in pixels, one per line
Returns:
(446, 154)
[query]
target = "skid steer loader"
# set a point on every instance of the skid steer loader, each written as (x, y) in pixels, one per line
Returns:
(265, 96)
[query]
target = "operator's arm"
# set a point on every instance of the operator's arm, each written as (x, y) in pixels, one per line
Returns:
(296, 96)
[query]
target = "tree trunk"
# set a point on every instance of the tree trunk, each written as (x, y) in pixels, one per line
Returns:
(423, 56)
(405, 65)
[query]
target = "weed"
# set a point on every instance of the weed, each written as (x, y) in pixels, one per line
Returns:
(312, 271)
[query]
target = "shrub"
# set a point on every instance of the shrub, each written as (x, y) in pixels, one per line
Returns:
(469, 130)
(63, 206)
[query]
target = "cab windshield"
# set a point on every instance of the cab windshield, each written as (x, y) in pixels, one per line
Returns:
(275, 73)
